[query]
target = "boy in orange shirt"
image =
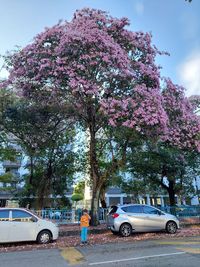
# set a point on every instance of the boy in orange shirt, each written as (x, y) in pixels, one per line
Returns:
(84, 223)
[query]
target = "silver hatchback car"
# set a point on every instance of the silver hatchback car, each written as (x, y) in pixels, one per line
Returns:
(130, 218)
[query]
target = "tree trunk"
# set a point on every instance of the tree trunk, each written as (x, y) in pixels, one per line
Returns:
(94, 174)
(171, 193)
(30, 181)
(31, 171)
(103, 202)
(170, 188)
(102, 197)
(95, 208)
(44, 189)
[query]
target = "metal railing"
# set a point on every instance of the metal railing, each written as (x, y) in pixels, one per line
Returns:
(64, 216)
(183, 210)
(67, 216)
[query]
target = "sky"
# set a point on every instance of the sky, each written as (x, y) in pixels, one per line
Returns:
(174, 24)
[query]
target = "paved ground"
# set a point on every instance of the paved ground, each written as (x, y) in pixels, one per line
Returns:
(173, 252)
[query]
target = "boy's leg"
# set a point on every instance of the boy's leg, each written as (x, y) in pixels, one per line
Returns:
(86, 231)
(82, 235)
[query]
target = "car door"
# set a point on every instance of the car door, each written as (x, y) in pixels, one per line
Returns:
(5, 224)
(135, 216)
(154, 219)
(24, 226)
(109, 217)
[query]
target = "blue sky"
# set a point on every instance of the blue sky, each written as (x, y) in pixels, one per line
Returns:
(175, 26)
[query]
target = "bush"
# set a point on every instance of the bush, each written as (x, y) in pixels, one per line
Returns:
(77, 197)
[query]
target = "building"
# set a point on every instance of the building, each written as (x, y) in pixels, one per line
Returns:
(115, 195)
(9, 189)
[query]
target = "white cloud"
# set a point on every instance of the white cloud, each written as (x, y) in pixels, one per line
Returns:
(189, 73)
(139, 8)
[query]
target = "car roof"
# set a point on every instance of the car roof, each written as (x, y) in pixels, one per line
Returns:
(134, 204)
(7, 208)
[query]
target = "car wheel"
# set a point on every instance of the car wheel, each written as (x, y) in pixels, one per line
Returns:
(44, 237)
(171, 227)
(125, 229)
(114, 232)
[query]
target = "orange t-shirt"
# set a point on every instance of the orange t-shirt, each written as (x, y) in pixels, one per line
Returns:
(85, 218)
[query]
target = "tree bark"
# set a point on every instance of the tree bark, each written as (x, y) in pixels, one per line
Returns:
(30, 180)
(45, 188)
(171, 193)
(31, 171)
(94, 173)
(95, 207)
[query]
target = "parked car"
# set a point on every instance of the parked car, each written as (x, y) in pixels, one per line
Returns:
(130, 218)
(18, 225)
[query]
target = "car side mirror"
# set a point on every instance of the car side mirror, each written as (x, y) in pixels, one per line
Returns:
(160, 213)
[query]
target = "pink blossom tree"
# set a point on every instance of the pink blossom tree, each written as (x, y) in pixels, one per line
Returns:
(169, 161)
(183, 127)
(103, 70)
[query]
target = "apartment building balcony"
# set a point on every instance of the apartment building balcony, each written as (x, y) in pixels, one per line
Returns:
(11, 164)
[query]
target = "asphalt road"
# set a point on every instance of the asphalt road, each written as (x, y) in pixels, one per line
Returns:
(172, 252)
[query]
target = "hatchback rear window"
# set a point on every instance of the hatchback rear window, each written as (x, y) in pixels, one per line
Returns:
(113, 209)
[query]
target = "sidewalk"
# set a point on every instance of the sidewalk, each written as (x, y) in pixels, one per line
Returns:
(103, 237)
(74, 229)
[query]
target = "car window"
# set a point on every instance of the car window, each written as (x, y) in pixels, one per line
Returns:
(132, 209)
(21, 216)
(4, 215)
(113, 209)
(150, 210)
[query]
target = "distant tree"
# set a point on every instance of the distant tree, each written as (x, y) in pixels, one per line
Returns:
(80, 187)
(45, 136)
(166, 168)
(169, 158)
(77, 197)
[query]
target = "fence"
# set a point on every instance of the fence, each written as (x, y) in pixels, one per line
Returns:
(73, 216)
(67, 216)
(183, 211)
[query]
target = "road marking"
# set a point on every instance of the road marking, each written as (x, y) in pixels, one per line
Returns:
(137, 258)
(178, 242)
(190, 250)
(72, 255)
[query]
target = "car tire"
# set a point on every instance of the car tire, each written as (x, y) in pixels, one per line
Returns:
(44, 237)
(114, 232)
(171, 227)
(125, 230)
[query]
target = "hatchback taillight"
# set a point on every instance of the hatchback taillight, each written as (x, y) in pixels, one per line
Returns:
(115, 215)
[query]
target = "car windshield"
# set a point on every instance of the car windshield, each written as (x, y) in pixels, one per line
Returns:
(35, 213)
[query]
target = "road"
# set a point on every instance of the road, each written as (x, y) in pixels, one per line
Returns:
(153, 253)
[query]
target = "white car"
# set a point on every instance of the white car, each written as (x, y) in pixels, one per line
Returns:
(18, 225)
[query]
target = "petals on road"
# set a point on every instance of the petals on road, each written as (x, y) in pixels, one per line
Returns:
(72, 255)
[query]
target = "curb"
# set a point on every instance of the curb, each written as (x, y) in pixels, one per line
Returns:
(100, 231)
(76, 233)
